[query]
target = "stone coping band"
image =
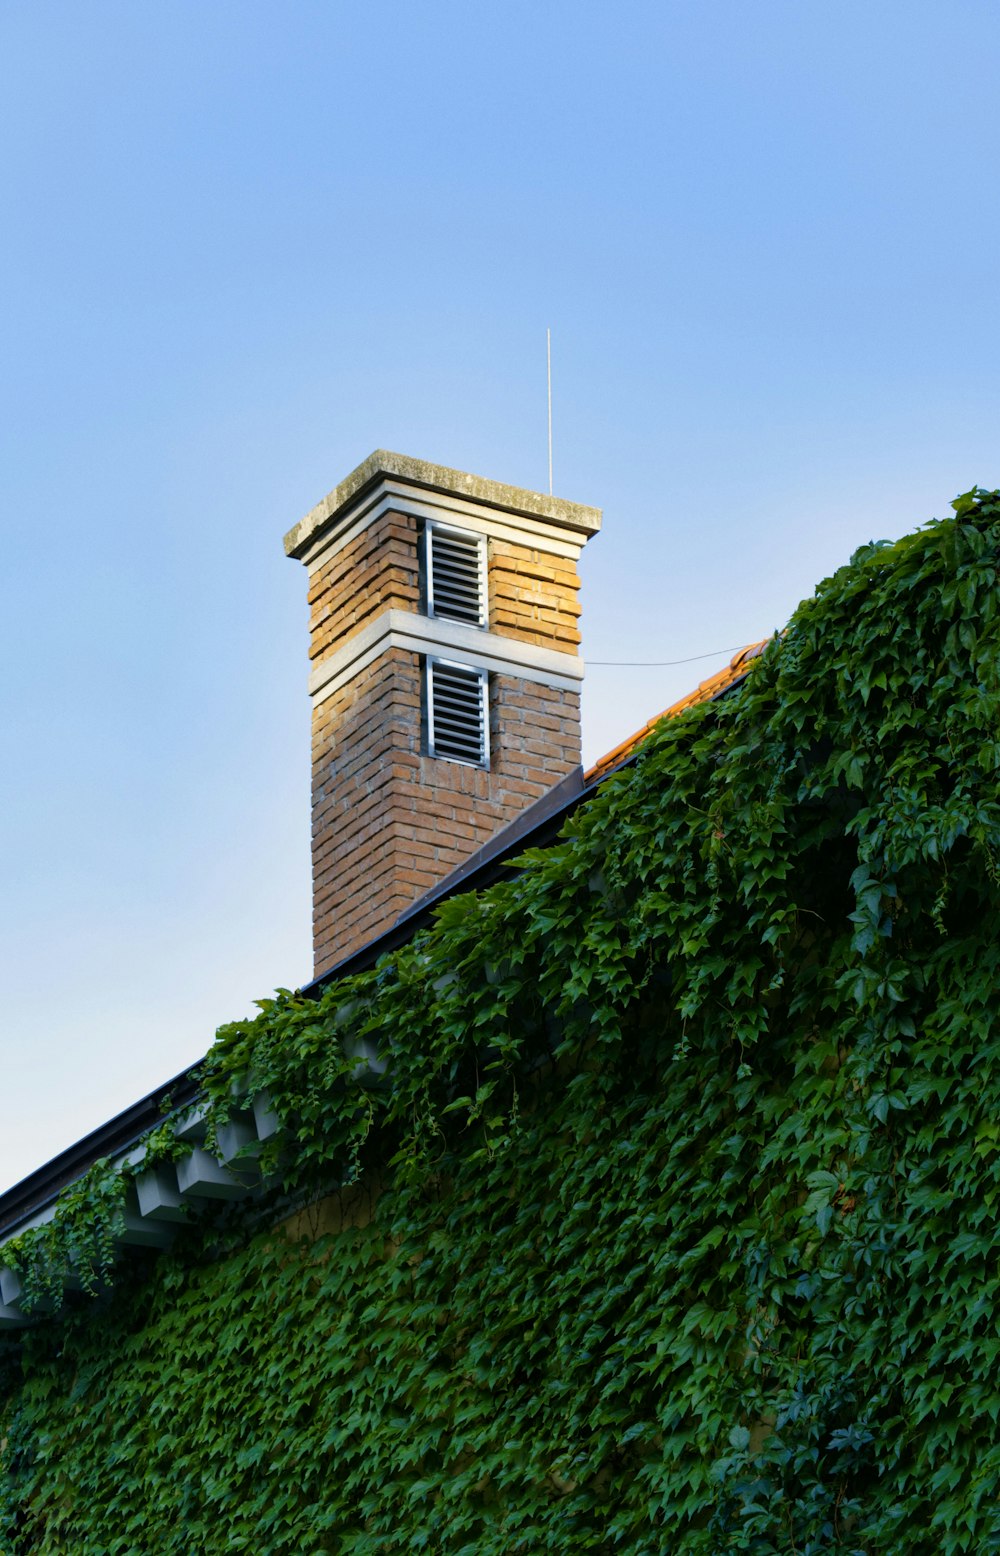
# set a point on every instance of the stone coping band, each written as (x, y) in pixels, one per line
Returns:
(437, 478)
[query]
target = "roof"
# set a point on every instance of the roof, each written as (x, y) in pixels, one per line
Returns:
(537, 827)
(705, 691)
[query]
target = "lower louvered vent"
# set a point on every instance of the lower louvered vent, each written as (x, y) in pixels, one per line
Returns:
(457, 713)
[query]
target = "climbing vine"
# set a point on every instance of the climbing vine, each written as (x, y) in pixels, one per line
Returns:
(672, 1222)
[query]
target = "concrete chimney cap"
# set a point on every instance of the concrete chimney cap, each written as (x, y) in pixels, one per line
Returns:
(437, 478)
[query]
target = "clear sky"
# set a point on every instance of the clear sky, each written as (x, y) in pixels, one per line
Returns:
(245, 243)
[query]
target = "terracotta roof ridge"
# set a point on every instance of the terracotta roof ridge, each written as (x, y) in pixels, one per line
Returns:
(711, 687)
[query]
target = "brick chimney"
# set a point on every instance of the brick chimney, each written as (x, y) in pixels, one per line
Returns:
(445, 678)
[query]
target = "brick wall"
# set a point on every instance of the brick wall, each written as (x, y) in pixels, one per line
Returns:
(533, 596)
(389, 823)
(375, 572)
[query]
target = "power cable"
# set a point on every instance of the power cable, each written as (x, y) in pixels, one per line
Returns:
(662, 664)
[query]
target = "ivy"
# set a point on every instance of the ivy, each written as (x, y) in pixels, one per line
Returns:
(671, 1222)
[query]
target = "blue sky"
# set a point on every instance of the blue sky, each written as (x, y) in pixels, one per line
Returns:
(246, 243)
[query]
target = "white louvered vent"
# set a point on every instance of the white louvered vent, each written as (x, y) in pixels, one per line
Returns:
(456, 575)
(458, 721)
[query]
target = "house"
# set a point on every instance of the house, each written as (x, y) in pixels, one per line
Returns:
(635, 1196)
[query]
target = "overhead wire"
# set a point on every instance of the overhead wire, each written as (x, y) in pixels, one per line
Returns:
(662, 664)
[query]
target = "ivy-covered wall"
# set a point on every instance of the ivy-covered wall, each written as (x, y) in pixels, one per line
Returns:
(674, 1226)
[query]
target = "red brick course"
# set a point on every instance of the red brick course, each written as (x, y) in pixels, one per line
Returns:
(533, 596)
(389, 822)
(375, 572)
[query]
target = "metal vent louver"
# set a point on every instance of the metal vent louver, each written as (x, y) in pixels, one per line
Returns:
(457, 713)
(456, 576)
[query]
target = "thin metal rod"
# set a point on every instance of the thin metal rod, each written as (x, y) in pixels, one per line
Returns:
(548, 353)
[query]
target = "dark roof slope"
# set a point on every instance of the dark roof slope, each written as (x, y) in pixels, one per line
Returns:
(539, 826)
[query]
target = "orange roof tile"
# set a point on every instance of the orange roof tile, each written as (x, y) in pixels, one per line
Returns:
(734, 671)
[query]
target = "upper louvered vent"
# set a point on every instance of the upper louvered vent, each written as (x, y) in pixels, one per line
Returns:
(457, 713)
(456, 575)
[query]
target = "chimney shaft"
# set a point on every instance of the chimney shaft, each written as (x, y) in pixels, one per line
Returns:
(445, 678)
